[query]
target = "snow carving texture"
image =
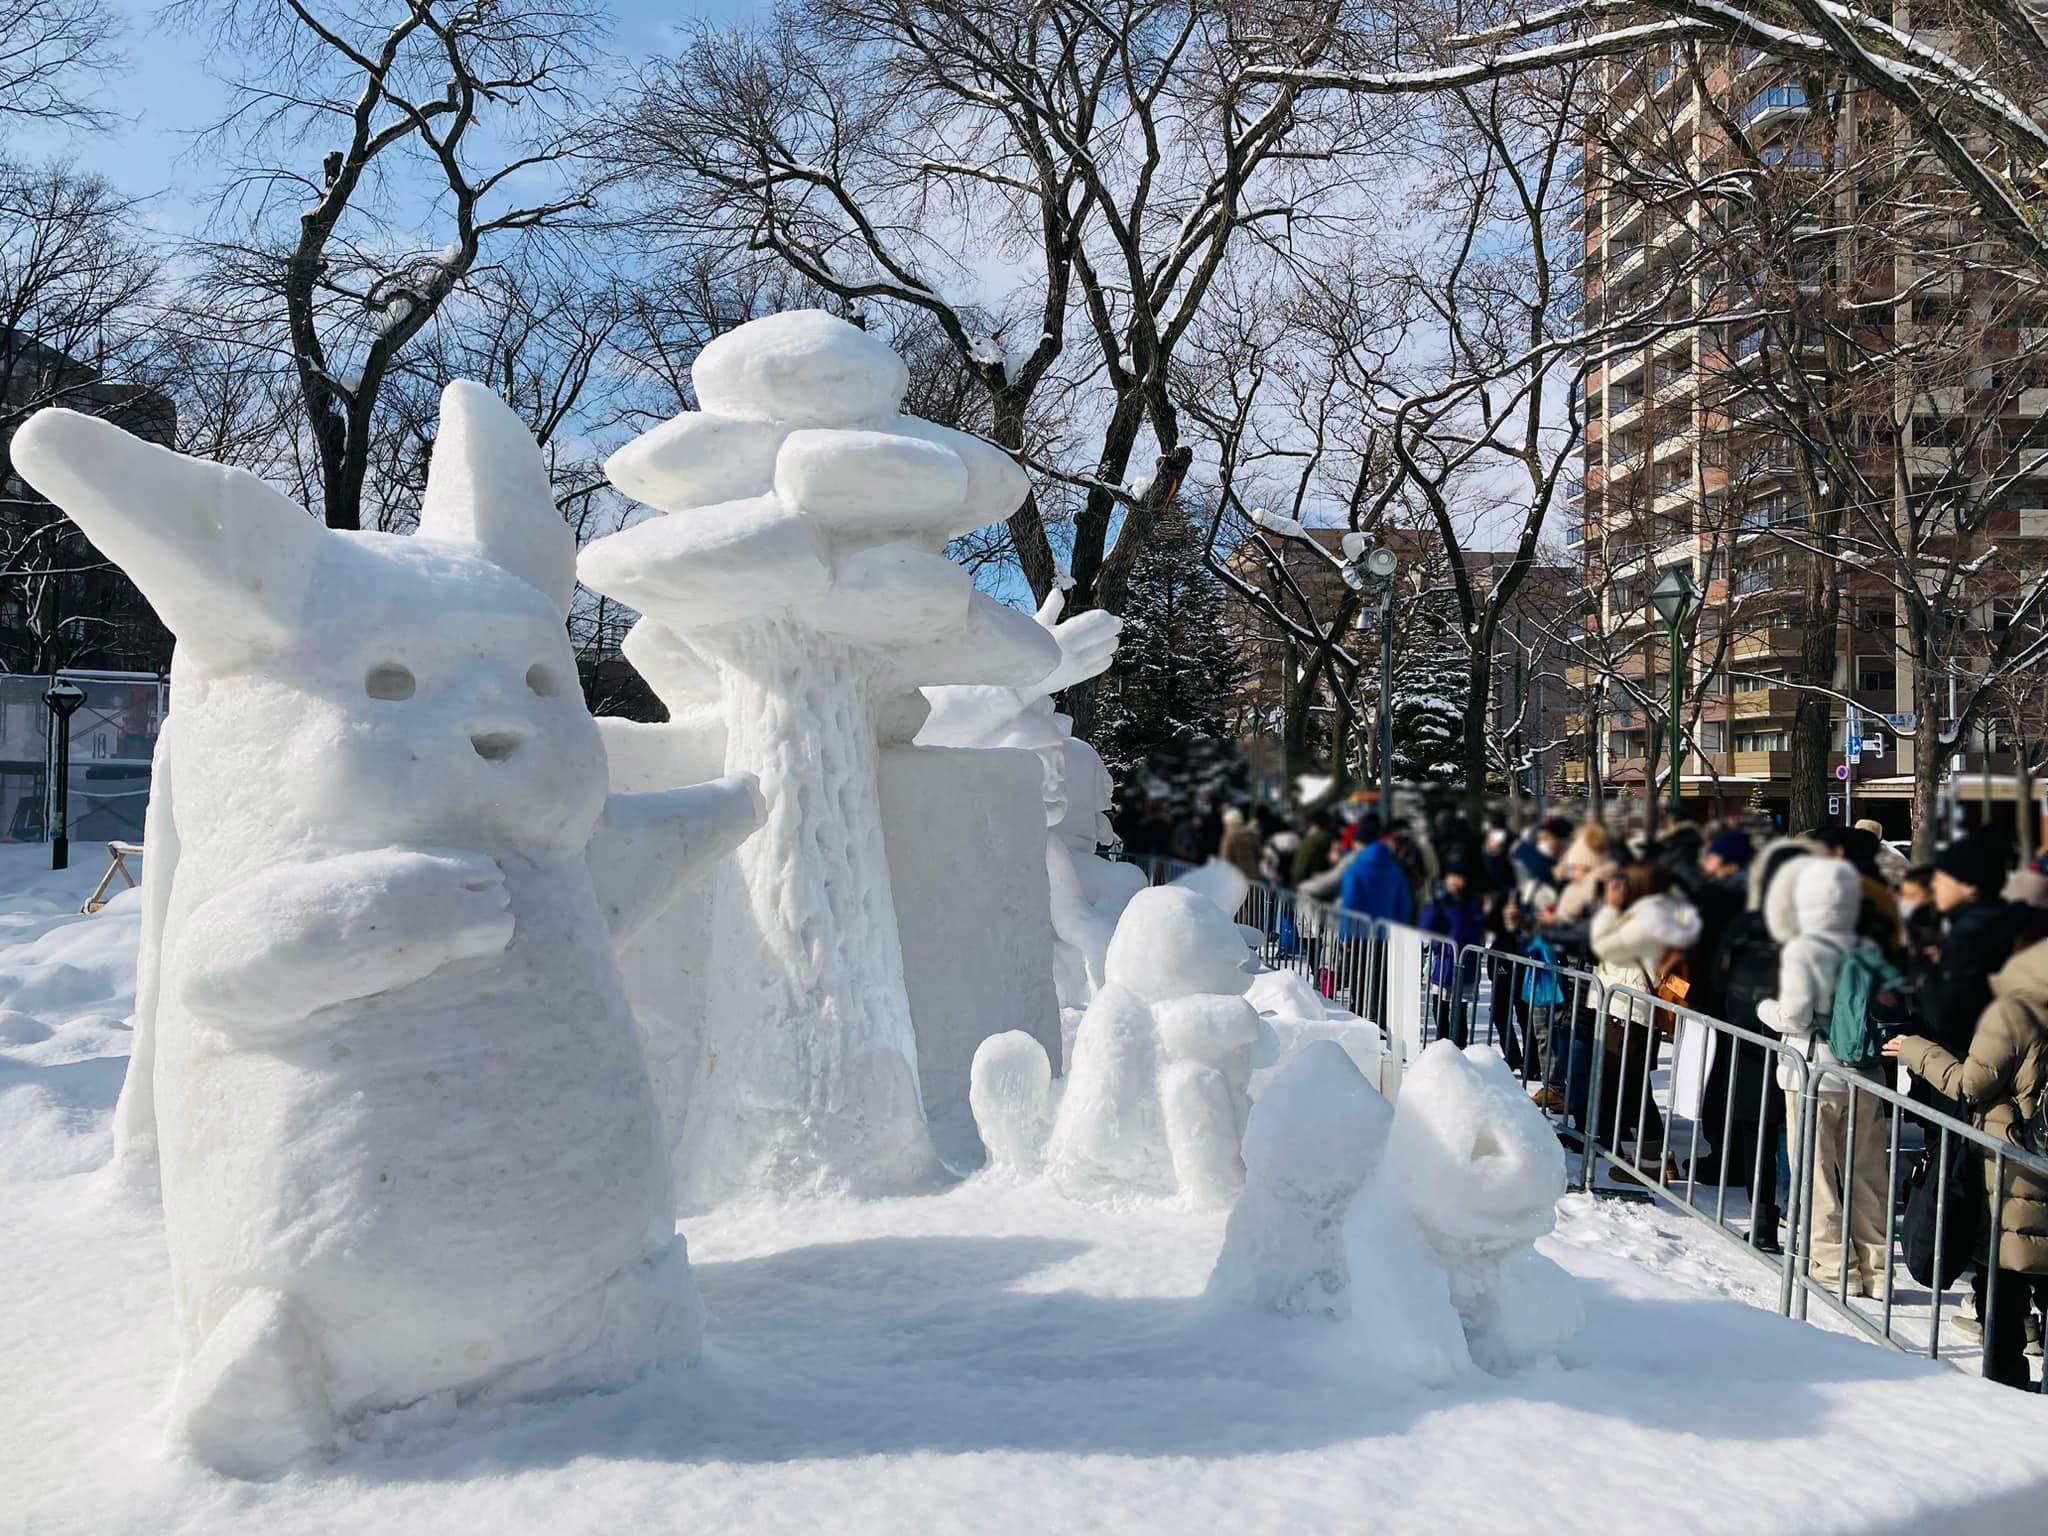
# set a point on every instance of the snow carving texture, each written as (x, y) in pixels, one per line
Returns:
(1159, 1090)
(384, 1069)
(1470, 1181)
(1316, 1134)
(796, 597)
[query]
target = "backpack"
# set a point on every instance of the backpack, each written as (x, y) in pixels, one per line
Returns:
(1872, 1000)
(1949, 1205)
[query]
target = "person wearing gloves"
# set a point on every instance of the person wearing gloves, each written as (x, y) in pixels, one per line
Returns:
(2000, 1082)
(1812, 909)
(1643, 931)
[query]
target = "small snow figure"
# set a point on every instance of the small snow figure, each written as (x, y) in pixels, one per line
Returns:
(1158, 1092)
(1476, 1170)
(383, 1070)
(1010, 1092)
(1160, 1087)
(1316, 1134)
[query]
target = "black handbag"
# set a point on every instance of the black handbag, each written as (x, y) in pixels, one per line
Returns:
(1959, 1204)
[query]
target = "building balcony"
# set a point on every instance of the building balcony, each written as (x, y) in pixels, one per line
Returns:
(1775, 764)
(1673, 500)
(1754, 643)
(1763, 704)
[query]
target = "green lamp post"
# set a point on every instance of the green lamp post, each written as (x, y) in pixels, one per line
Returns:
(1676, 599)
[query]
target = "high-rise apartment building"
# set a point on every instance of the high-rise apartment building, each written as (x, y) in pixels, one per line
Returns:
(1774, 297)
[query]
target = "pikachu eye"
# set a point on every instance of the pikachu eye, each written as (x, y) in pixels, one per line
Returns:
(389, 680)
(540, 679)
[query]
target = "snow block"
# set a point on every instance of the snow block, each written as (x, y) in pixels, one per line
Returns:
(965, 832)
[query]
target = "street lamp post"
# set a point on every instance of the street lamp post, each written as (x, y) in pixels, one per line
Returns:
(1370, 569)
(63, 699)
(1676, 599)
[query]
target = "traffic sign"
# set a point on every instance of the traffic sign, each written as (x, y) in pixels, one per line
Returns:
(1907, 722)
(1841, 770)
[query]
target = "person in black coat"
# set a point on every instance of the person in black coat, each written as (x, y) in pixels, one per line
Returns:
(1976, 939)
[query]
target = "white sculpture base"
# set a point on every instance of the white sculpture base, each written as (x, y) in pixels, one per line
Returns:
(965, 831)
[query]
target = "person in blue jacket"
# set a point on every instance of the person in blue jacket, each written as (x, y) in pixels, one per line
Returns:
(1455, 913)
(1375, 885)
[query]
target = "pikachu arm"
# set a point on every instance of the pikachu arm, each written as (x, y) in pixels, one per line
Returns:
(646, 845)
(296, 938)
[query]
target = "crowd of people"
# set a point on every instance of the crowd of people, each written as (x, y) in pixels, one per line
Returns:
(1754, 931)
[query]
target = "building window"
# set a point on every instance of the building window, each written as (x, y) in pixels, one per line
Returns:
(1876, 677)
(1762, 741)
(1713, 736)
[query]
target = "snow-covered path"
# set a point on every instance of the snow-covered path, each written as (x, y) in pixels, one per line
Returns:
(989, 1359)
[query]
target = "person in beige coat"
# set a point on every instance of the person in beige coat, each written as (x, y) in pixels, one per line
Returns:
(2001, 1082)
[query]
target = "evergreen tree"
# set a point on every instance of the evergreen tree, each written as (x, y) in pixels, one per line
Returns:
(1431, 682)
(1163, 708)
(1431, 685)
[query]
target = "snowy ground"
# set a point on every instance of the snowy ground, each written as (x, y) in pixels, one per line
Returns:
(990, 1359)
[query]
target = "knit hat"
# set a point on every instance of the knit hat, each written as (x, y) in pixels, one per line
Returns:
(1732, 847)
(1977, 860)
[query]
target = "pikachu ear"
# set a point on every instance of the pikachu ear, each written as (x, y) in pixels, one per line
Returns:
(226, 561)
(488, 491)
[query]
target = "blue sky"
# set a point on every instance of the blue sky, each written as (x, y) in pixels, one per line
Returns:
(166, 92)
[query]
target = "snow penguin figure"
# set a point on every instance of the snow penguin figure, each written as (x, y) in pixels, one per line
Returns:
(1159, 1089)
(384, 1074)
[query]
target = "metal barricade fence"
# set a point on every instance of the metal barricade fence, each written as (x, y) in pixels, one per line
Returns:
(1846, 1112)
(1722, 1106)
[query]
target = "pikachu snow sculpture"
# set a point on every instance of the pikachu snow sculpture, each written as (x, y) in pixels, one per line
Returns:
(384, 1071)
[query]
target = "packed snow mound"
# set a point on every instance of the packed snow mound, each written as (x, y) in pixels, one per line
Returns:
(67, 989)
(1316, 1134)
(1287, 995)
(383, 1067)
(1446, 1232)
(1010, 1091)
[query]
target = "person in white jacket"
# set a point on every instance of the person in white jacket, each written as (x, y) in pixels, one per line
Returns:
(1641, 933)
(1811, 910)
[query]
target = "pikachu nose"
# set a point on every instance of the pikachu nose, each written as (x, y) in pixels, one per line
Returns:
(497, 743)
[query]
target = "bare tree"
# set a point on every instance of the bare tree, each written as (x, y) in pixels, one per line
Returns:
(376, 162)
(883, 150)
(48, 50)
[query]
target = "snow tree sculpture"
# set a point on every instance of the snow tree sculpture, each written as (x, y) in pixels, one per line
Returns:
(801, 593)
(383, 1066)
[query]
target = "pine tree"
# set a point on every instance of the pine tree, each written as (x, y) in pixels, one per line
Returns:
(1431, 683)
(1163, 708)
